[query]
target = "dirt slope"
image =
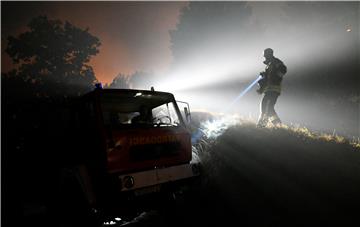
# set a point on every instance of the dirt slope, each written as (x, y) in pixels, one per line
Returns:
(273, 177)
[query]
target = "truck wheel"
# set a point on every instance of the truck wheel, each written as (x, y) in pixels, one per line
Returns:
(73, 208)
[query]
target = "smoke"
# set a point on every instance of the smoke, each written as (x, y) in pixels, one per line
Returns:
(217, 50)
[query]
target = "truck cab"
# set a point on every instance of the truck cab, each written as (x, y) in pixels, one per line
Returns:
(133, 142)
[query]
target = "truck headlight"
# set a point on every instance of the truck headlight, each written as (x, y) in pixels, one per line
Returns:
(128, 182)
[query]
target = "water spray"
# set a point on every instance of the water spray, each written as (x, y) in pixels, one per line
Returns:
(212, 129)
(243, 92)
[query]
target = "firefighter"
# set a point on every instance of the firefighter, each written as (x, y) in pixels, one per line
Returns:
(270, 87)
(144, 117)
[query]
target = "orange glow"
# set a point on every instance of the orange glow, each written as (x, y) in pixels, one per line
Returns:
(111, 60)
(134, 36)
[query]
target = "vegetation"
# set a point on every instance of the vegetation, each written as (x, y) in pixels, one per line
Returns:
(279, 176)
(51, 64)
(52, 57)
(137, 80)
(272, 176)
(120, 81)
(142, 80)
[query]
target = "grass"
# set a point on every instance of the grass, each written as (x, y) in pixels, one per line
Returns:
(277, 176)
(269, 177)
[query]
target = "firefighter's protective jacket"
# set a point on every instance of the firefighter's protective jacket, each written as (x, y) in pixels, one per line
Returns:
(273, 75)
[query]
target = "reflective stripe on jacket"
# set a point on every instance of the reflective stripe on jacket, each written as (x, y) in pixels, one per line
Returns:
(276, 88)
(274, 71)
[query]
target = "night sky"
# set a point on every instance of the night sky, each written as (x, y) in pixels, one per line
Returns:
(134, 35)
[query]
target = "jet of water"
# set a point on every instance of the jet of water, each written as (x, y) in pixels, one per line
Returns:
(243, 93)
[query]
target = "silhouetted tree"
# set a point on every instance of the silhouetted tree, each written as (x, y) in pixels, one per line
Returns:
(54, 55)
(120, 81)
(142, 80)
(204, 24)
(51, 63)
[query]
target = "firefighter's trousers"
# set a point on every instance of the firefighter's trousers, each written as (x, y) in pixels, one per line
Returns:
(267, 109)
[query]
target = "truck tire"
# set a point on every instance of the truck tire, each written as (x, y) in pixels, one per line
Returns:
(73, 208)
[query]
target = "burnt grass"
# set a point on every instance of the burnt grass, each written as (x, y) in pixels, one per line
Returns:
(271, 177)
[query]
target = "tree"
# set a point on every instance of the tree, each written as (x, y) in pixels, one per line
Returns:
(142, 80)
(120, 81)
(54, 55)
(206, 27)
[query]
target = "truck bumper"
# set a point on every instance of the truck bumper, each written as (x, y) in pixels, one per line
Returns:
(158, 176)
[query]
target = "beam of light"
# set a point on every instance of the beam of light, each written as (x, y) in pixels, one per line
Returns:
(196, 136)
(243, 93)
(212, 129)
(195, 74)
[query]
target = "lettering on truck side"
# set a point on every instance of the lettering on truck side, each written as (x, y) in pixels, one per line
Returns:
(141, 140)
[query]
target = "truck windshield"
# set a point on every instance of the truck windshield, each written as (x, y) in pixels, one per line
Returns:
(138, 110)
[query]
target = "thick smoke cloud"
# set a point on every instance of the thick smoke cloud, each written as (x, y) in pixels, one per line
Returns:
(217, 49)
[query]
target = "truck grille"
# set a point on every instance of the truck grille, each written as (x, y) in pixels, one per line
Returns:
(154, 151)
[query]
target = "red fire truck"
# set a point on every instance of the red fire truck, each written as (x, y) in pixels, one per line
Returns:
(129, 143)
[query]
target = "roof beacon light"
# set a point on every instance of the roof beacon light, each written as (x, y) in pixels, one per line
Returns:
(98, 86)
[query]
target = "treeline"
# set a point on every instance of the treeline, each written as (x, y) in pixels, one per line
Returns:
(51, 60)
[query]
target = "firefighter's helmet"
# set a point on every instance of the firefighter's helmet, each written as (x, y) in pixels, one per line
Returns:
(268, 52)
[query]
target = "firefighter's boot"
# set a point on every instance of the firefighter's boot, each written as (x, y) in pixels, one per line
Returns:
(262, 122)
(275, 120)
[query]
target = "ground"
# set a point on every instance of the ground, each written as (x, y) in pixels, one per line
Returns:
(274, 176)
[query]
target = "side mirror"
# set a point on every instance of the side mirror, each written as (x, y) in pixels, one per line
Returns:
(187, 114)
